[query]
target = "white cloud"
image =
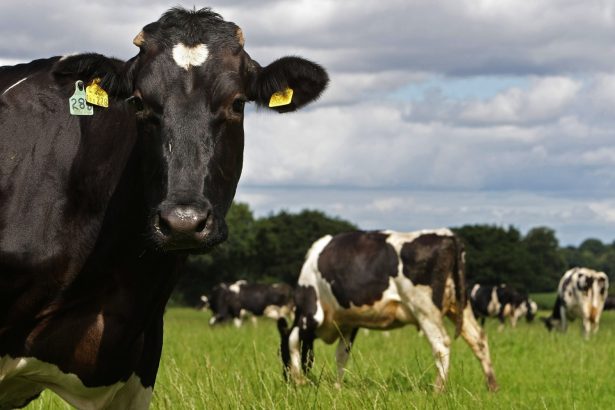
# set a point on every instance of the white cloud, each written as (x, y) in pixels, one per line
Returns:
(543, 101)
(552, 133)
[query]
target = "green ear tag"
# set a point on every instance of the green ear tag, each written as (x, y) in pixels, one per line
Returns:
(77, 103)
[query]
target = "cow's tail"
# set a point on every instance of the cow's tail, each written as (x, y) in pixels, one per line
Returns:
(459, 279)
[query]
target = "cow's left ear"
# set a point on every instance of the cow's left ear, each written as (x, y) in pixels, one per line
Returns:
(306, 79)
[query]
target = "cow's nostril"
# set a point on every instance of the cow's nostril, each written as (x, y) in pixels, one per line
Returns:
(183, 220)
(163, 225)
(201, 225)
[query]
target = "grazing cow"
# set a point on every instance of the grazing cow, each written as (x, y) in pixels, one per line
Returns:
(98, 212)
(581, 293)
(501, 302)
(381, 280)
(242, 299)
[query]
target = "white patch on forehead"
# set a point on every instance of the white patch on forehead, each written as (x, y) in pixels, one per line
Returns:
(187, 57)
(14, 85)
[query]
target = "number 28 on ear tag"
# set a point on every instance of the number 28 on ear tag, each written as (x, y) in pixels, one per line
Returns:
(77, 102)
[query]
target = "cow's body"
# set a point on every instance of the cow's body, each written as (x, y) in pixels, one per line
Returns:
(502, 302)
(581, 293)
(97, 213)
(381, 280)
(241, 299)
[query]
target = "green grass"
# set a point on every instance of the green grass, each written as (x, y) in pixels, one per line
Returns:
(545, 301)
(228, 368)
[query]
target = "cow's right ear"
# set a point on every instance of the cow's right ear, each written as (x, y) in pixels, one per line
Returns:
(116, 76)
(287, 84)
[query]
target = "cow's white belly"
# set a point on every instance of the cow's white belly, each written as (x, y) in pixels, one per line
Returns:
(23, 378)
(389, 312)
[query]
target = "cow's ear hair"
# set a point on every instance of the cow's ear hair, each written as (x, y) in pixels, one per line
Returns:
(116, 76)
(307, 80)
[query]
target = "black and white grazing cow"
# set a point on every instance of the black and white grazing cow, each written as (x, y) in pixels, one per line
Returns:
(581, 293)
(381, 280)
(502, 302)
(242, 299)
(98, 212)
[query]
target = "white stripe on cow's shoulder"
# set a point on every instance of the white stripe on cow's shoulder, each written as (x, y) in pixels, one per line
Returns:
(130, 394)
(235, 287)
(187, 57)
(398, 239)
(310, 267)
(14, 85)
(311, 276)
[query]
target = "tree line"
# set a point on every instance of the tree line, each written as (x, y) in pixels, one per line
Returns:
(272, 249)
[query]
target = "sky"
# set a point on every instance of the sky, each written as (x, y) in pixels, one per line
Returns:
(439, 112)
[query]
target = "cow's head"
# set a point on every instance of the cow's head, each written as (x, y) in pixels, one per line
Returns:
(193, 78)
(189, 84)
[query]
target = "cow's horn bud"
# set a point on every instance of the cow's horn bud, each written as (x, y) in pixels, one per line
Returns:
(239, 36)
(138, 41)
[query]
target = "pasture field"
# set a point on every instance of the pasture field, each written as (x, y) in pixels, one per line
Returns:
(229, 368)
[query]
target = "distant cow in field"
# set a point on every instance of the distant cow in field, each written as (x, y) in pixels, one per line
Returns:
(241, 299)
(581, 293)
(100, 206)
(381, 280)
(502, 302)
(609, 303)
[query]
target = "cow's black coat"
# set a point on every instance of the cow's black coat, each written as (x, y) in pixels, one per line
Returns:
(91, 208)
(227, 304)
(358, 266)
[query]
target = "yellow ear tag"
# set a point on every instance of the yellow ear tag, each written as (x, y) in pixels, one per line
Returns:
(94, 94)
(281, 98)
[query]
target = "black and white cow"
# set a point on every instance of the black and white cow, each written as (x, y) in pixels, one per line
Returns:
(381, 280)
(242, 299)
(581, 293)
(99, 211)
(502, 302)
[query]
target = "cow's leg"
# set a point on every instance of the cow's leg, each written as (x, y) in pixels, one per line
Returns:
(502, 320)
(429, 320)
(587, 327)
(433, 328)
(475, 336)
(440, 346)
(343, 352)
(563, 319)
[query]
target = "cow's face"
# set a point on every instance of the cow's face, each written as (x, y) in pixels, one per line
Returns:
(192, 78)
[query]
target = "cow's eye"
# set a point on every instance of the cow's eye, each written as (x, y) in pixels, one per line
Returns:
(238, 105)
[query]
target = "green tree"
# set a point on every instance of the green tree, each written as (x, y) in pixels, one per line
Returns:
(283, 239)
(495, 255)
(547, 264)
